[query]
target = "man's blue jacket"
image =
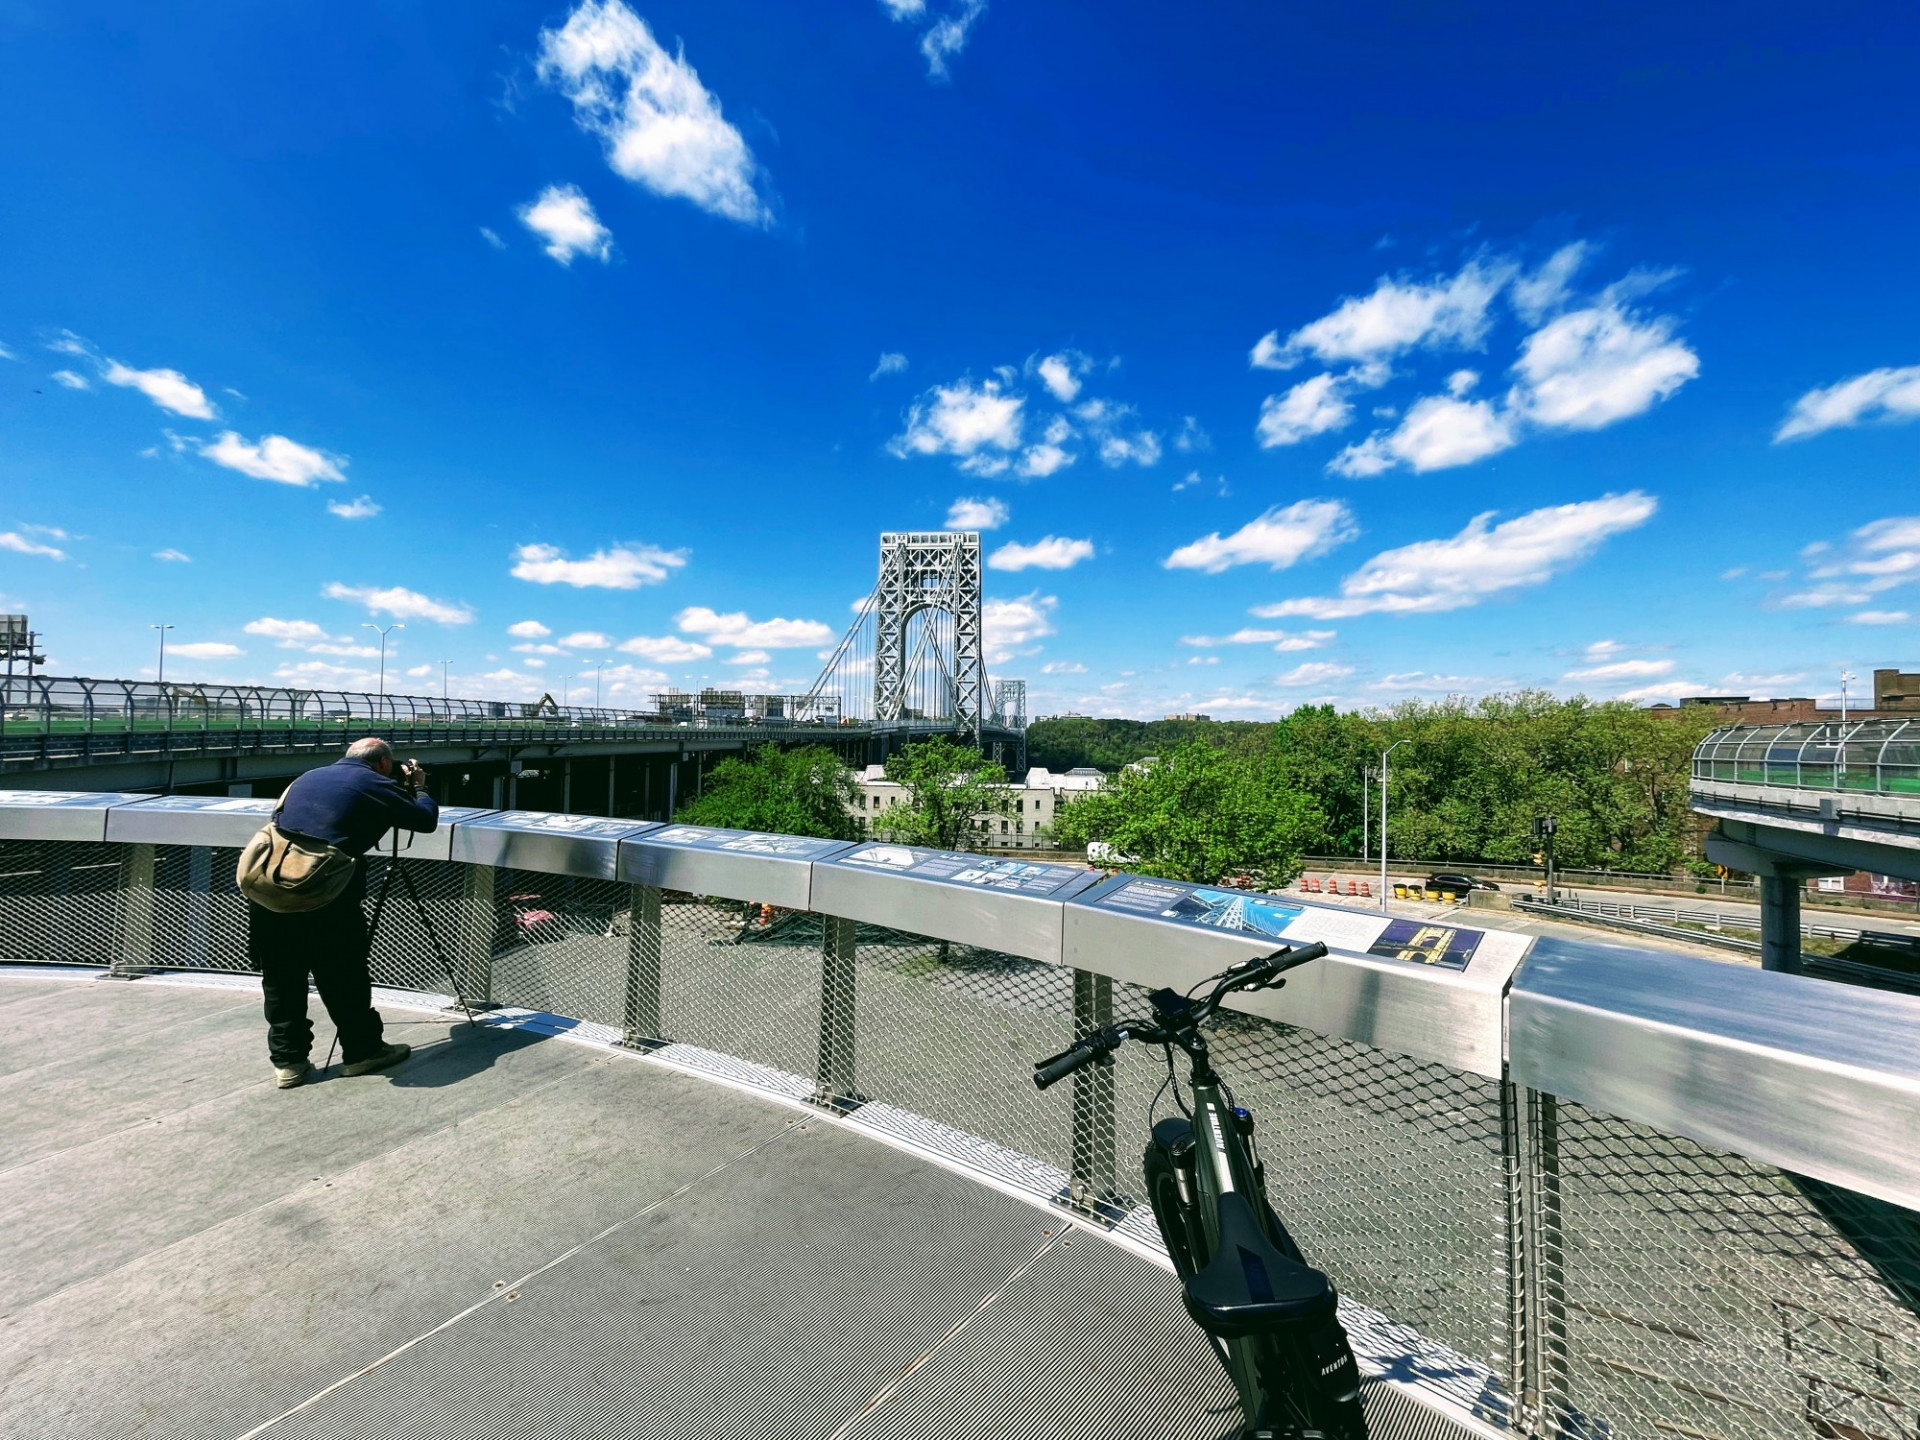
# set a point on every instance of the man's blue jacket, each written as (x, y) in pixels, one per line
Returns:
(351, 804)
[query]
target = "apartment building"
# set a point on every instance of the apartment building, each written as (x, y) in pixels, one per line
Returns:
(1027, 820)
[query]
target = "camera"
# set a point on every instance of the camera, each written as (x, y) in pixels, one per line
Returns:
(411, 773)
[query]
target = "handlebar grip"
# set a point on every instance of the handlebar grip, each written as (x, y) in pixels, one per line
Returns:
(1289, 959)
(1049, 1072)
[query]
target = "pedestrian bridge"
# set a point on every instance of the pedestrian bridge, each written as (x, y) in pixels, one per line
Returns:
(1792, 802)
(744, 1142)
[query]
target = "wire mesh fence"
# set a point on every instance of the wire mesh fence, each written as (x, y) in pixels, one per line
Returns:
(1706, 1294)
(1687, 1292)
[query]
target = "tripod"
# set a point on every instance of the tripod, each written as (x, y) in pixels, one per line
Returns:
(426, 922)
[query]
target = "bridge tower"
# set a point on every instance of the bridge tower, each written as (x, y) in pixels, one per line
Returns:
(933, 575)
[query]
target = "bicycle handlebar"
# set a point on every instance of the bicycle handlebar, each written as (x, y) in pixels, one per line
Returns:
(1254, 973)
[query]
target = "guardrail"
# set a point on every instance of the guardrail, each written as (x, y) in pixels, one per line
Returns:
(1566, 1189)
(1863, 757)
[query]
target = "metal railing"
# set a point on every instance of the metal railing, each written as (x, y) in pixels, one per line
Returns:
(1578, 1194)
(1872, 757)
(73, 719)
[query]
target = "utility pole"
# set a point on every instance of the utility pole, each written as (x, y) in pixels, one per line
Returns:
(369, 625)
(443, 678)
(160, 677)
(1383, 819)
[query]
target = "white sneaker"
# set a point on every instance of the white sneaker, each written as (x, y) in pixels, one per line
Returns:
(288, 1076)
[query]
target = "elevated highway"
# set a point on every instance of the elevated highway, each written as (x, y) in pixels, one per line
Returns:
(94, 734)
(1791, 802)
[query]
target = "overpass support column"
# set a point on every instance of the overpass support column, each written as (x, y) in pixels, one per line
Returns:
(1780, 922)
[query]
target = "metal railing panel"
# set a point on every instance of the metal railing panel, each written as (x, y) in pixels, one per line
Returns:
(62, 902)
(190, 820)
(58, 814)
(582, 845)
(732, 864)
(1817, 1078)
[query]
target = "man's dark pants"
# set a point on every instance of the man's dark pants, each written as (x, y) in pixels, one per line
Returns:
(331, 945)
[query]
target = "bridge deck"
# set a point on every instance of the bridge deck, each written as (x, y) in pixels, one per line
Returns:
(518, 1235)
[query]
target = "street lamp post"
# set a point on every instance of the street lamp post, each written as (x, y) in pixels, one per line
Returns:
(596, 685)
(443, 678)
(383, 629)
(1383, 819)
(1366, 811)
(563, 690)
(160, 677)
(1845, 676)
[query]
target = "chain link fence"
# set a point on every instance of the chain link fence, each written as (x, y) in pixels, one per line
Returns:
(1658, 1288)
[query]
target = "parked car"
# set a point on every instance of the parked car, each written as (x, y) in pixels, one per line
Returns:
(1458, 883)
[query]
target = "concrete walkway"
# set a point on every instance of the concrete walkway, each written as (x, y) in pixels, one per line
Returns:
(519, 1235)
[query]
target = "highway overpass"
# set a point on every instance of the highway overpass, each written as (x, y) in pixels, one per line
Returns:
(91, 734)
(1792, 802)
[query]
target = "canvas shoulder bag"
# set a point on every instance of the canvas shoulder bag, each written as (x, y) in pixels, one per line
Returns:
(291, 873)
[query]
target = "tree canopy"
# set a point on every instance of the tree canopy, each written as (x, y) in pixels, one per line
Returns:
(949, 788)
(1468, 783)
(807, 791)
(1200, 812)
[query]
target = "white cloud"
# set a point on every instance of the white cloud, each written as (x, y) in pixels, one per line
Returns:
(661, 127)
(961, 419)
(360, 508)
(168, 389)
(1281, 537)
(1603, 650)
(1051, 553)
(179, 557)
(1009, 626)
(891, 362)
(529, 630)
(72, 381)
(21, 545)
(1885, 395)
(1622, 670)
(750, 657)
(1482, 560)
(362, 652)
(1669, 690)
(1142, 448)
(1063, 667)
(273, 457)
(419, 672)
(1062, 373)
(399, 602)
(1437, 433)
(971, 514)
(1421, 680)
(205, 650)
(587, 640)
(289, 633)
(1879, 617)
(1312, 407)
(486, 233)
(1461, 381)
(1396, 317)
(1281, 640)
(1044, 459)
(323, 674)
(736, 629)
(1595, 366)
(6, 354)
(946, 36)
(1192, 436)
(536, 647)
(665, 649)
(1535, 295)
(1880, 556)
(563, 217)
(1314, 672)
(621, 567)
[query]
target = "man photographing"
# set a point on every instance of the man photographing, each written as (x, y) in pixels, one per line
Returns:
(349, 804)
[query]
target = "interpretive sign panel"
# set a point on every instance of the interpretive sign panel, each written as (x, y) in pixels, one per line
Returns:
(1025, 877)
(538, 840)
(58, 814)
(223, 820)
(1285, 919)
(733, 864)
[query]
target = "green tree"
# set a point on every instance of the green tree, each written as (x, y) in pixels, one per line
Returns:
(1200, 812)
(949, 789)
(789, 792)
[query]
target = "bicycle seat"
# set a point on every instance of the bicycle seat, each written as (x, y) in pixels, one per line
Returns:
(1249, 1286)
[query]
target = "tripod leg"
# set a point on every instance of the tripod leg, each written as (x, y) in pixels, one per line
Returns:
(433, 937)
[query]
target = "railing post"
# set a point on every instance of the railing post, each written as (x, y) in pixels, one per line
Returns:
(835, 1089)
(198, 946)
(134, 956)
(1090, 1189)
(641, 1005)
(1537, 1289)
(479, 925)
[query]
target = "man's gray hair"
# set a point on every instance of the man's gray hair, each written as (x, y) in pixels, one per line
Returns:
(372, 749)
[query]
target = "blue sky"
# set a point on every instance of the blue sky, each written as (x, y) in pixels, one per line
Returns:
(1282, 352)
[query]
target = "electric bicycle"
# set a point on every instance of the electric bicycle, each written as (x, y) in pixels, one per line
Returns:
(1270, 1317)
